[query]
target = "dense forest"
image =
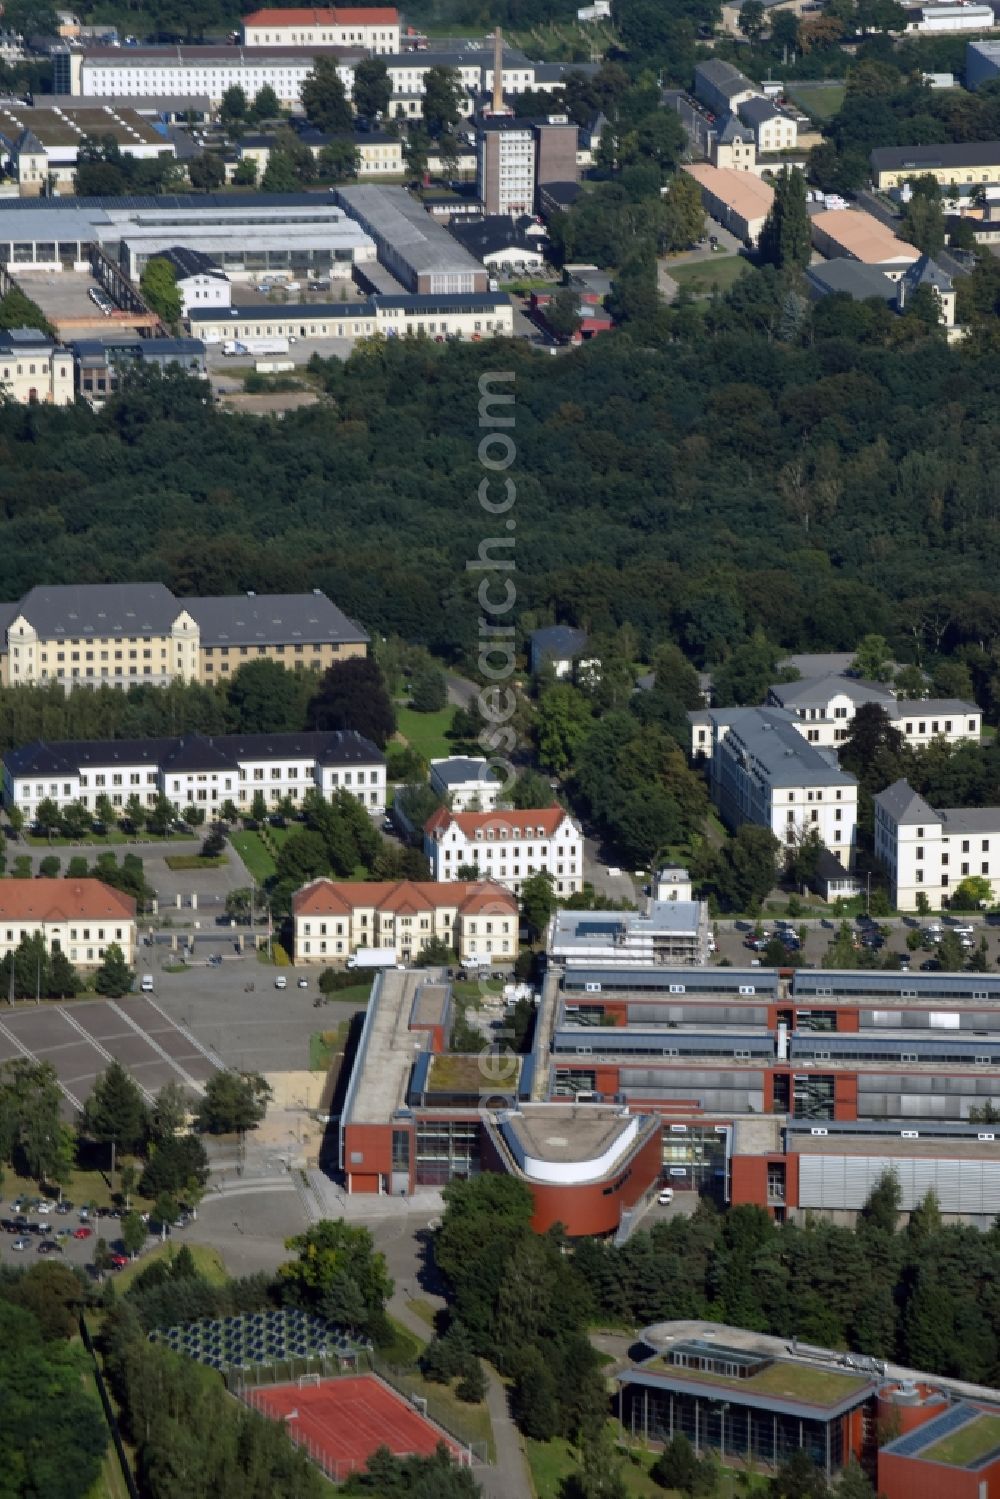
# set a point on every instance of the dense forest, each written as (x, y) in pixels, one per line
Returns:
(735, 471)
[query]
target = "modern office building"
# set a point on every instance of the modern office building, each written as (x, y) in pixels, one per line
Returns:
(515, 157)
(792, 1093)
(671, 932)
(127, 634)
(203, 771)
(82, 918)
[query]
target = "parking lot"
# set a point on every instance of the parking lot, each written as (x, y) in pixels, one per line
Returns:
(819, 934)
(80, 1039)
(78, 1253)
(64, 298)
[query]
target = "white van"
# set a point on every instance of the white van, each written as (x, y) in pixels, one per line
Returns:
(146, 984)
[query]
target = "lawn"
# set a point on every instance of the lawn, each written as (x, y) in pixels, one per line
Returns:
(256, 857)
(424, 1311)
(819, 101)
(966, 1445)
(208, 1263)
(702, 277)
(425, 732)
(551, 1463)
(325, 1047)
(177, 862)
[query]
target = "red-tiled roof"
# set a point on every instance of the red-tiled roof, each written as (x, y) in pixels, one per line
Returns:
(330, 16)
(514, 824)
(63, 900)
(339, 898)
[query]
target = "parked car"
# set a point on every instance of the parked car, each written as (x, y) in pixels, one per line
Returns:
(119, 1261)
(303, 983)
(45, 1207)
(20, 1244)
(83, 1232)
(281, 982)
(933, 965)
(666, 1196)
(50, 1246)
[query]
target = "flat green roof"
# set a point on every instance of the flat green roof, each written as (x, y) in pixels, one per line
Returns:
(781, 1380)
(967, 1446)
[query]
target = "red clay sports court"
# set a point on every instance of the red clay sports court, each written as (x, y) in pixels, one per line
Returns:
(345, 1420)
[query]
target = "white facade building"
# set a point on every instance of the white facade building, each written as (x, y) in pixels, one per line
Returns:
(375, 29)
(468, 785)
(200, 282)
(83, 918)
(333, 919)
(34, 370)
(670, 932)
(196, 770)
(932, 852)
(130, 73)
(824, 708)
(763, 771)
(507, 846)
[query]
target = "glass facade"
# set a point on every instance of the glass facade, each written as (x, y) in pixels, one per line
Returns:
(722, 1421)
(445, 1149)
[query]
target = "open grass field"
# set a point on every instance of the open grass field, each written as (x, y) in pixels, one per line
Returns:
(425, 732)
(207, 1261)
(551, 1463)
(818, 100)
(703, 277)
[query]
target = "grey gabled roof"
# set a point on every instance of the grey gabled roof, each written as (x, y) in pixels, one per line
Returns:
(187, 262)
(970, 820)
(772, 738)
(80, 609)
(758, 111)
(722, 75)
(852, 277)
(192, 752)
(733, 129)
(456, 770)
(816, 692)
(904, 805)
(270, 619)
(927, 272)
(558, 641)
(949, 154)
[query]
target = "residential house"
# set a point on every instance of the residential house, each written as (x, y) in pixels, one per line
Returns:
(82, 918)
(507, 846)
(930, 851)
(468, 785)
(764, 771)
(558, 646)
(127, 634)
(333, 919)
(773, 129)
(201, 282)
(204, 771)
(34, 370)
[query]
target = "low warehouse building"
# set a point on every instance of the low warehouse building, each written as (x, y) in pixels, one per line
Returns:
(473, 315)
(847, 233)
(739, 200)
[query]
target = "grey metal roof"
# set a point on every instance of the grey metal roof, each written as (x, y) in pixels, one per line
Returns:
(904, 805)
(854, 982)
(969, 820)
(733, 129)
(458, 769)
(187, 262)
(927, 272)
(392, 216)
(333, 312)
(102, 609)
(947, 154)
(193, 752)
(924, 707)
(758, 111)
(657, 978)
(816, 692)
(853, 277)
(270, 619)
(723, 76)
(770, 736)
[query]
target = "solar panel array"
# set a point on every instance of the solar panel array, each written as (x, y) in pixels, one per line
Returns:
(934, 1431)
(258, 1338)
